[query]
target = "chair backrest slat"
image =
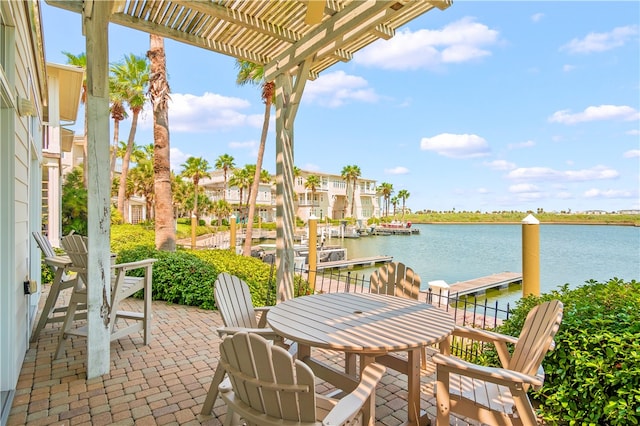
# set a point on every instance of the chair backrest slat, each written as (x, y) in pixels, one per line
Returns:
(44, 244)
(250, 356)
(233, 299)
(77, 248)
(396, 279)
(536, 338)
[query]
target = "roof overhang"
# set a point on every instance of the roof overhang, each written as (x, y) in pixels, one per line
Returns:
(70, 83)
(66, 139)
(273, 33)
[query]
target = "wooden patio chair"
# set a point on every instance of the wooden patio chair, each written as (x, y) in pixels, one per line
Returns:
(122, 286)
(498, 396)
(62, 280)
(397, 279)
(233, 300)
(270, 387)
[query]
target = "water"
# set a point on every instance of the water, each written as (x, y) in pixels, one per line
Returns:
(569, 254)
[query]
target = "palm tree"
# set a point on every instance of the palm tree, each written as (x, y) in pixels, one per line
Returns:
(80, 61)
(143, 183)
(386, 189)
(248, 72)
(159, 96)
(131, 78)
(351, 174)
(312, 183)
(241, 179)
(394, 201)
(118, 113)
(225, 163)
(403, 194)
(221, 209)
(196, 169)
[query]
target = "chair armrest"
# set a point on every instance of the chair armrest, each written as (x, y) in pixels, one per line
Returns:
(267, 333)
(499, 340)
(134, 265)
(501, 376)
(58, 261)
(483, 335)
(349, 406)
(262, 317)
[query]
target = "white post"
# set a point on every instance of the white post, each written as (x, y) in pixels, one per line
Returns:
(99, 188)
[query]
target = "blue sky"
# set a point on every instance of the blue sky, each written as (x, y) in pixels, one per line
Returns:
(483, 106)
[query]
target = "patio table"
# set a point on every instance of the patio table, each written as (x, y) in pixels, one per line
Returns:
(370, 326)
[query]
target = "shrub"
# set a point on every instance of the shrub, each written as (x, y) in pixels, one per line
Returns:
(593, 375)
(187, 277)
(178, 277)
(127, 236)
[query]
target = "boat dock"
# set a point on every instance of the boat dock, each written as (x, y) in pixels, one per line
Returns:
(350, 263)
(482, 284)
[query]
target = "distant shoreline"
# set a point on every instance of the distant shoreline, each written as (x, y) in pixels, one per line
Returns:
(519, 223)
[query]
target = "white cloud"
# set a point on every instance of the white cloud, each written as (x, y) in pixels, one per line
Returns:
(334, 89)
(546, 173)
(526, 192)
(568, 68)
(399, 170)
(246, 146)
(460, 41)
(537, 17)
(500, 165)
(632, 153)
(600, 42)
(205, 113)
(456, 146)
(311, 167)
(594, 113)
(609, 193)
(633, 132)
(483, 191)
(177, 159)
(525, 144)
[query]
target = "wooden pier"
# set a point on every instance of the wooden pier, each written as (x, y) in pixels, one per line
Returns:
(482, 284)
(350, 263)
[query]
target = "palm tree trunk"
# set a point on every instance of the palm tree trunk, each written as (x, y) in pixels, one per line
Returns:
(246, 251)
(159, 91)
(114, 152)
(125, 167)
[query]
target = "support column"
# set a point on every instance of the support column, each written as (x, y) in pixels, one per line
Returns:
(95, 24)
(530, 256)
(313, 251)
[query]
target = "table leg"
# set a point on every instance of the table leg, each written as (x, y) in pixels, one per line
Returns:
(369, 408)
(413, 386)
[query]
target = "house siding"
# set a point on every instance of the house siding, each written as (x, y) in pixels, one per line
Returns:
(20, 151)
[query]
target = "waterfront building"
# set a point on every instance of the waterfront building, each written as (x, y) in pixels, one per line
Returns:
(330, 200)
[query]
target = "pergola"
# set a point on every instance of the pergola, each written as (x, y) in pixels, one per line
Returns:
(295, 40)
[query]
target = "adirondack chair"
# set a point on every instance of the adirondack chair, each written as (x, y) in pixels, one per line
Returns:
(397, 279)
(233, 299)
(498, 396)
(61, 281)
(269, 387)
(122, 286)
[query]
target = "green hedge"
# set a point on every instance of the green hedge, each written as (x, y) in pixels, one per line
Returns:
(185, 277)
(593, 375)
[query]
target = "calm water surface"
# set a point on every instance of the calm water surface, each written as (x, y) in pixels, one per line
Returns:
(568, 253)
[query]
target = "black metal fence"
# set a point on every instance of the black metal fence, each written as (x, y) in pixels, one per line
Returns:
(466, 310)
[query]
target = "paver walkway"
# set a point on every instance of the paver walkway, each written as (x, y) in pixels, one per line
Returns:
(164, 383)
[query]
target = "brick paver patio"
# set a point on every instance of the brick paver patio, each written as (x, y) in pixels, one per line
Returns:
(164, 383)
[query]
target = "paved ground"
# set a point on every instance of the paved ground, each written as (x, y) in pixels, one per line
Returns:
(163, 383)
